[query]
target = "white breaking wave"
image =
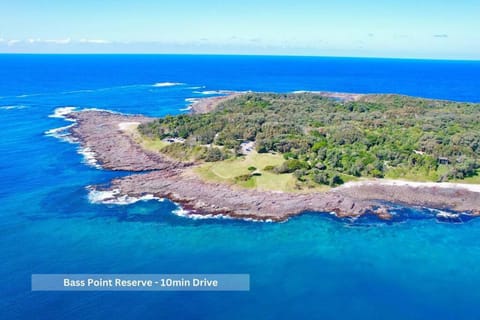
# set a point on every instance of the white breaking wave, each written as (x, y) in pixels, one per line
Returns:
(168, 84)
(13, 107)
(62, 113)
(181, 212)
(209, 92)
(113, 197)
(186, 108)
(79, 91)
(89, 157)
(191, 101)
(447, 215)
(61, 133)
(103, 110)
(219, 92)
(28, 95)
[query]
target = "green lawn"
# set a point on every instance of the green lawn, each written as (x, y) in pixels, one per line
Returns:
(423, 176)
(415, 175)
(226, 171)
(153, 144)
(472, 180)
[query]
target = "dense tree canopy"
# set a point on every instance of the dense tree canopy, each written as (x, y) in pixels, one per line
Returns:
(323, 139)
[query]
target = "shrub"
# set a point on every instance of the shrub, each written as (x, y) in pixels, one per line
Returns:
(243, 178)
(290, 166)
(214, 154)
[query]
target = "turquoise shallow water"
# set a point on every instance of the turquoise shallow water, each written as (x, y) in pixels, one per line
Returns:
(312, 266)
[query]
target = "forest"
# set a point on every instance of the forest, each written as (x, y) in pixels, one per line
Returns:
(325, 140)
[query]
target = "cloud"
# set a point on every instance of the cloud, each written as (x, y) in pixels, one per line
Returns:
(58, 41)
(440, 35)
(54, 41)
(95, 41)
(12, 42)
(39, 41)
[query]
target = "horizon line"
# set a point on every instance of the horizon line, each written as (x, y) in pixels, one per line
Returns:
(239, 55)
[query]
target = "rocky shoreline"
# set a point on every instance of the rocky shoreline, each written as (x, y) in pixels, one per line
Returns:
(160, 177)
(206, 105)
(100, 132)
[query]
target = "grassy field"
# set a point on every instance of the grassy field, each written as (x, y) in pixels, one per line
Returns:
(424, 176)
(228, 170)
(153, 145)
(471, 180)
(421, 175)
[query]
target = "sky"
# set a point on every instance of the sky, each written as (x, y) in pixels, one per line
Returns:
(370, 28)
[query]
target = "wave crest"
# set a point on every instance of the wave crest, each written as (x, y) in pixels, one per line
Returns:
(114, 197)
(168, 84)
(13, 107)
(61, 133)
(62, 113)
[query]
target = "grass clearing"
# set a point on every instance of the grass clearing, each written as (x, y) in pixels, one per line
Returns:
(226, 171)
(153, 145)
(470, 180)
(404, 173)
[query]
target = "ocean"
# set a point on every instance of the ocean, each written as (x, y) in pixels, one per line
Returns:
(311, 267)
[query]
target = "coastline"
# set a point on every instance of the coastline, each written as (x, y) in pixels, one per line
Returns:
(208, 104)
(104, 134)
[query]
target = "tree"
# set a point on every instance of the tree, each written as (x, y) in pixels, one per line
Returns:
(214, 154)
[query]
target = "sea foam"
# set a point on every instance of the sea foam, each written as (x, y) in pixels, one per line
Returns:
(209, 92)
(13, 107)
(181, 212)
(61, 133)
(168, 84)
(187, 108)
(114, 197)
(62, 113)
(89, 157)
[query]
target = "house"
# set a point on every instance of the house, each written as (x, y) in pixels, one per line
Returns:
(443, 160)
(247, 147)
(419, 152)
(174, 140)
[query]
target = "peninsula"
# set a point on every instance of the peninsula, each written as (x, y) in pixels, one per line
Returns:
(269, 156)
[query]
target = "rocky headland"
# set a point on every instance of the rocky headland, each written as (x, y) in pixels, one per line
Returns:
(114, 148)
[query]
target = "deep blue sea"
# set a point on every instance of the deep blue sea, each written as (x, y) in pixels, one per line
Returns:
(311, 267)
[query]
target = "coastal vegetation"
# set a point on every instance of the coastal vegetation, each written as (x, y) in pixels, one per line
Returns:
(318, 140)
